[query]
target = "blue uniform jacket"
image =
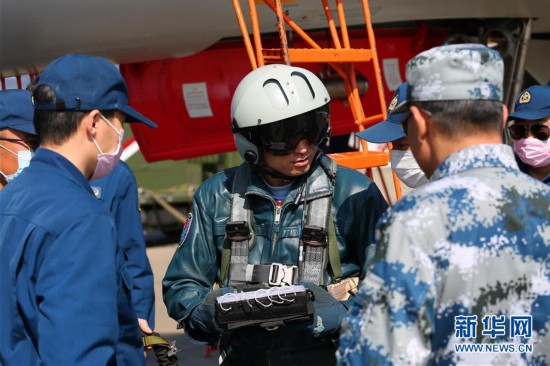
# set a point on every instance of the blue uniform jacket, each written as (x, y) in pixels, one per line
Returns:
(61, 290)
(118, 191)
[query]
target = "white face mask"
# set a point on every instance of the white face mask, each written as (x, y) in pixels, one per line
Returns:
(406, 168)
(23, 160)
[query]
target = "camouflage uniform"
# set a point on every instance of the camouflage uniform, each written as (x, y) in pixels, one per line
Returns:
(447, 249)
(475, 240)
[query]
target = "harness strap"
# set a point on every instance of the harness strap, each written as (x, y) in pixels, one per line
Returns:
(239, 234)
(164, 350)
(318, 235)
(316, 231)
(315, 240)
(274, 274)
(152, 340)
(238, 228)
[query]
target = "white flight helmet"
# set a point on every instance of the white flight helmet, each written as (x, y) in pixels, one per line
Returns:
(275, 93)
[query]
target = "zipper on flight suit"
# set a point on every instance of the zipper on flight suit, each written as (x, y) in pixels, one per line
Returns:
(277, 218)
(278, 211)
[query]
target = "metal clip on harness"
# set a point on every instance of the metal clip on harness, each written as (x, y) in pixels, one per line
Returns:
(314, 235)
(280, 274)
(237, 231)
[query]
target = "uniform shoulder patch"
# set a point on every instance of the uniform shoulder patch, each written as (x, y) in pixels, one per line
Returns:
(186, 228)
(525, 98)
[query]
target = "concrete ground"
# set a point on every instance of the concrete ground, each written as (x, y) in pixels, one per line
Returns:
(191, 353)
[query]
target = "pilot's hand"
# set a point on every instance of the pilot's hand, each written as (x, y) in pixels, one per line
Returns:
(203, 317)
(329, 312)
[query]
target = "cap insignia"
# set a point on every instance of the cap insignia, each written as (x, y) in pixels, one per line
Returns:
(393, 102)
(525, 98)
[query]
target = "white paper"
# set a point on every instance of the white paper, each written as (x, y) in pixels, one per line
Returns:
(195, 96)
(391, 73)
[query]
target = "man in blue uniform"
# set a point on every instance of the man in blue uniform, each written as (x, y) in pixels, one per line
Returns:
(17, 135)
(461, 273)
(118, 191)
(402, 161)
(268, 221)
(64, 299)
(530, 130)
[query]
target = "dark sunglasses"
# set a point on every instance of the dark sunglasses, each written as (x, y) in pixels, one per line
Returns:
(281, 138)
(31, 142)
(519, 131)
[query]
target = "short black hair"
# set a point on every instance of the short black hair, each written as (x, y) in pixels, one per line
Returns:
(56, 127)
(464, 117)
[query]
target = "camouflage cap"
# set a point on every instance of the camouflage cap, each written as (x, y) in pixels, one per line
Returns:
(454, 72)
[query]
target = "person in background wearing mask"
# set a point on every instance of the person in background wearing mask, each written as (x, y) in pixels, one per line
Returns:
(530, 130)
(17, 136)
(63, 295)
(402, 160)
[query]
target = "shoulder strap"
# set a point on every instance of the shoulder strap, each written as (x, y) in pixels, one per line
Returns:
(319, 222)
(314, 240)
(330, 167)
(239, 233)
(333, 252)
(319, 232)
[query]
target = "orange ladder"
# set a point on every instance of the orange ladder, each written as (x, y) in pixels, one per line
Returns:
(340, 59)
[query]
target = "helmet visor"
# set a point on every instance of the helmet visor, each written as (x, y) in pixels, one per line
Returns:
(282, 137)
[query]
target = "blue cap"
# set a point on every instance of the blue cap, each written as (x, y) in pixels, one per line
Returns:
(85, 83)
(532, 104)
(390, 129)
(16, 111)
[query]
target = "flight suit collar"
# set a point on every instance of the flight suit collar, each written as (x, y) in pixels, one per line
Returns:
(319, 185)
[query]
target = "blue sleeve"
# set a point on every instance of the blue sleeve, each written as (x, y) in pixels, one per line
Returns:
(77, 295)
(361, 206)
(125, 210)
(377, 206)
(194, 267)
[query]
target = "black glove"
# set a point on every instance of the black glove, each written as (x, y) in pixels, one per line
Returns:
(329, 312)
(165, 351)
(202, 325)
